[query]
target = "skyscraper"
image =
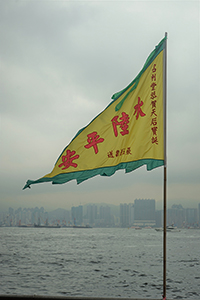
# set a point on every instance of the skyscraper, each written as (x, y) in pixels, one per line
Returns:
(176, 215)
(91, 214)
(144, 212)
(77, 214)
(126, 214)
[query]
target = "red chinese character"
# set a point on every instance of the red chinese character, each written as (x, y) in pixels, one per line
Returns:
(153, 112)
(128, 150)
(154, 130)
(117, 153)
(93, 140)
(110, 154)
(153, 77)
(153, 85)
(123, 124)
(154, 121)
(154, 140)
(154, 68)
(138, 109)
(67, 160)
(153, 95)
(122, 151)
(153, 103)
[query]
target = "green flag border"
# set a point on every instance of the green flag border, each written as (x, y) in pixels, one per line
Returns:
(81, 176)
(135, 81)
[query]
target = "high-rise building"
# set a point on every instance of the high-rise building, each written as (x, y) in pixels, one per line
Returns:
(105, 218)
(126, 214)
(176, 215)
(77, 214)
(91, 214)
(191, 216)
(144, 212)
(131, 214)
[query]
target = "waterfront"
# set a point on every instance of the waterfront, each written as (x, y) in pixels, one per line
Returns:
(106, 262)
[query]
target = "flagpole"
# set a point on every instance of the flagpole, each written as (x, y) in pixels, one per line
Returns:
(165, 168)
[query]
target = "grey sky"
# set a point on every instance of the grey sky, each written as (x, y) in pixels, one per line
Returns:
(60, 62)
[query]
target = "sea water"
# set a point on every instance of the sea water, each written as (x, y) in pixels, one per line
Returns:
(99, 262)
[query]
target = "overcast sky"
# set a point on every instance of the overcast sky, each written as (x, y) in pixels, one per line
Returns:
(61, 61)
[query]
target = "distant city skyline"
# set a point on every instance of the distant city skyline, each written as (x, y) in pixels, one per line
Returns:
(141, 212)
(25, 204)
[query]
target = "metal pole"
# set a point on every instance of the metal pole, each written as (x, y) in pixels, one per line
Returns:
(164, 236)
(165, 167)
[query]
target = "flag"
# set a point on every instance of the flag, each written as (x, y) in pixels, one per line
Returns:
(128, 134)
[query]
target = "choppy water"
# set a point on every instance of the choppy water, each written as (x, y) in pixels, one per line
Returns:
(98, 262)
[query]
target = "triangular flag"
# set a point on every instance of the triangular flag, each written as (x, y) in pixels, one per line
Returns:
(126, 135)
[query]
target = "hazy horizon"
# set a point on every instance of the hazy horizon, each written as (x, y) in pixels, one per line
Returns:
(51, 208)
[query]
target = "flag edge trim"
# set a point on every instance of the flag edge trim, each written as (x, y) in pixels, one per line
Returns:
(105, 171)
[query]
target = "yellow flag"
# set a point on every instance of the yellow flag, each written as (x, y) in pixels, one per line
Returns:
(126, 135)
